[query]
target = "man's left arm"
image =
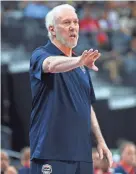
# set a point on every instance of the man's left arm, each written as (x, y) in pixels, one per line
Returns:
(101, 145)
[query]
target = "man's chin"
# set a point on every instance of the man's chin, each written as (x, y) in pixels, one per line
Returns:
(68, 44)
(71, 45)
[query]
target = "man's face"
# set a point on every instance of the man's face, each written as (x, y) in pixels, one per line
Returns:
(129, 154)
(67, 28)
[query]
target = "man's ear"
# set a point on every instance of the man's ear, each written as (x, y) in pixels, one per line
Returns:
(52, 31)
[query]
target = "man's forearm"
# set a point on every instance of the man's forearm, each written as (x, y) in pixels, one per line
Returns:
(95, 127)
(56, 64)
(60, 64)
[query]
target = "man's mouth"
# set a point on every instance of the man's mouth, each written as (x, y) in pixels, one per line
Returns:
(72, 35)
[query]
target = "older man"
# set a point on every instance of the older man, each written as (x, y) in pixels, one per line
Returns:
(62, 115)
(5, 161)
(128, 158)
(25, 161)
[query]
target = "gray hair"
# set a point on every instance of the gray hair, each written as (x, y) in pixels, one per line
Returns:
(52, 15)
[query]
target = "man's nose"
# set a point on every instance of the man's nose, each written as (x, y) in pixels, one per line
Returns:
(72, 27)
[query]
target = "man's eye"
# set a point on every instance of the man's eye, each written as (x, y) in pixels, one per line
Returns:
(67, 22)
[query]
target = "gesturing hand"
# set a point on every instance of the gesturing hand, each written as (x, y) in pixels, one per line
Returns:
(88, 58)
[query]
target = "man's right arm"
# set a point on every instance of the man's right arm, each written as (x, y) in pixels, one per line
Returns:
(56, 64)
(60, 64)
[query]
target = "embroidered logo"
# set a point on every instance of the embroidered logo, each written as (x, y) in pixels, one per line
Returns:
(83, 69)
(46, 169)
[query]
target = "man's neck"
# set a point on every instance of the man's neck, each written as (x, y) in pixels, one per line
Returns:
(67, 51)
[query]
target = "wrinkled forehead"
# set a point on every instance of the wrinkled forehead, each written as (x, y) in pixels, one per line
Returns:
(66, 14)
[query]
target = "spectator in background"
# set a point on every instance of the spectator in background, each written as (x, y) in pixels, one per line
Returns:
(128, 23)
(36, 9)
(112, 63)
(106, 27)
(128, 158)
(25, 161)
(89, 26)
(88, 23)
(11, 170)
(4, 161)
(113, 15)
(9, 6)
(104, 22)
(130, 62)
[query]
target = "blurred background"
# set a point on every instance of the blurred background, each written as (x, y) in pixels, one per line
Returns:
(110, 27)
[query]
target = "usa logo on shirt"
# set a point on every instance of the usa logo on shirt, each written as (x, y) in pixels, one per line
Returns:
(46, 169)
(83, 69)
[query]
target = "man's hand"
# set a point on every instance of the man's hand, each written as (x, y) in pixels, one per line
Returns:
(104, 151)
(88, 58)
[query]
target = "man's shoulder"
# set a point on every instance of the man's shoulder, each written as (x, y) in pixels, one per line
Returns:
(39, 52)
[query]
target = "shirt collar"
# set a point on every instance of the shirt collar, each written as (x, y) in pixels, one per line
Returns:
(53, 49)
(129, 169)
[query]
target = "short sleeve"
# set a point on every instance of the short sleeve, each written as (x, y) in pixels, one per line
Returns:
(38, 56)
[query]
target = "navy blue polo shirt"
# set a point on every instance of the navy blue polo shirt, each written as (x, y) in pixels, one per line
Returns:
(60, 118)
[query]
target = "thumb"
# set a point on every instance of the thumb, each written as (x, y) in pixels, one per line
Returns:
(100, 151)
(95, 68)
